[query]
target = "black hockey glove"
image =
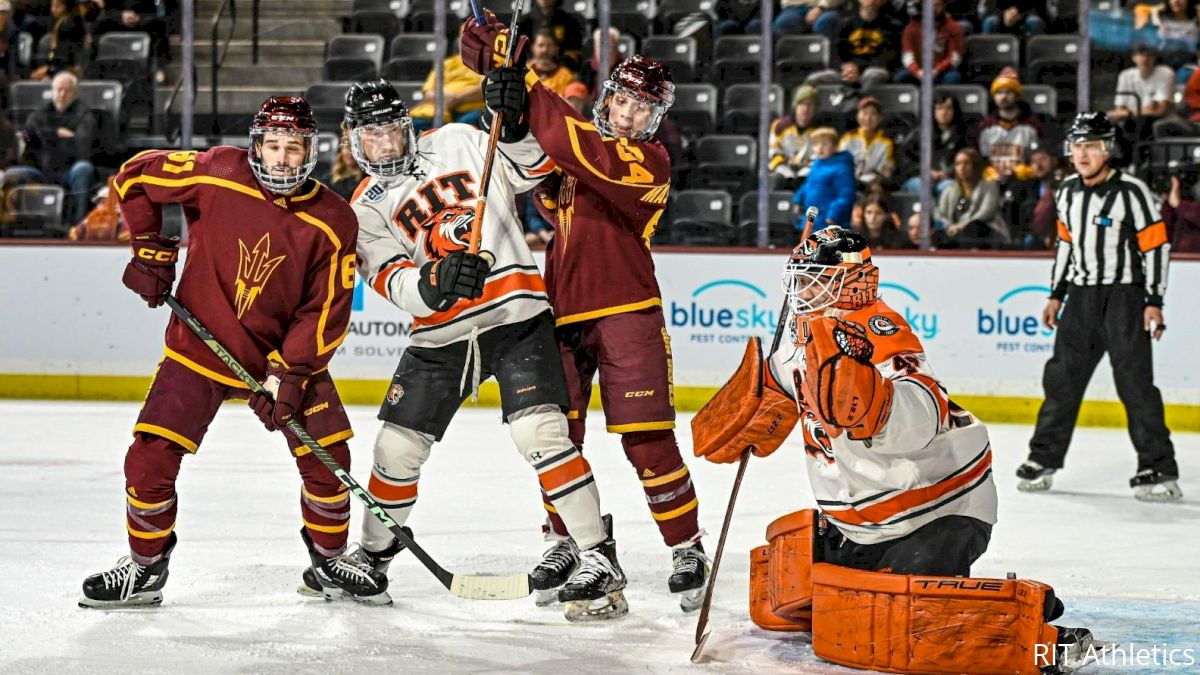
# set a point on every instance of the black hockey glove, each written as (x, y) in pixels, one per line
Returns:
(458, 276)
(504, 93)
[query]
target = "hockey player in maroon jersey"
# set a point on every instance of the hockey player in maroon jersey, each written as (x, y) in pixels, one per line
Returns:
(270, 272)
(613, 185)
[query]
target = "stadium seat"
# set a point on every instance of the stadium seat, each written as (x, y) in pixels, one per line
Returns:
(411, 92)
(1052, 60)
(737, 58)
(421, 15)
(43, 50)
(671, 11)
(740, 110)
(25, 97)
(677, 53)
(327, 150)
(328, 101)
(972, 99)
(724, 163)
(105, 95)
(835, 105)
(24, 51)
(626, 46)
(701, 218)
(1042, 100)
(125, 57)
(380, 17)
(353, 57)
(904, 204)
(798, 56)
(987, 55)
(695, 109)
(34, 211)
(411, 57)
(780, 217)
(635, 17)
(585, 9)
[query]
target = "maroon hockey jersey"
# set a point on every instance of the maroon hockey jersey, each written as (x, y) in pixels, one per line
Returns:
(269, 276)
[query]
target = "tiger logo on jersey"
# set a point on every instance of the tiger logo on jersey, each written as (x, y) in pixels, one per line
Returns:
(816, 440)
(449, 230)
(255, 267)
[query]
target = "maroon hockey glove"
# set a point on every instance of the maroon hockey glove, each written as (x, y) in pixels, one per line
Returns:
(482, 47)
(458, 276)
(289, 385)
(151, 272)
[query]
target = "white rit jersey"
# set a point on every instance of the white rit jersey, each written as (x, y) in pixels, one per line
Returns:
(932, 459)
(425, 215)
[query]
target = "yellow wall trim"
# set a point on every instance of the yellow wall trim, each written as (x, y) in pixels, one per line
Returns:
(993, 409)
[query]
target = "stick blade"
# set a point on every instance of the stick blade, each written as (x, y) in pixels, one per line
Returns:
(697, 657)
(512, 587)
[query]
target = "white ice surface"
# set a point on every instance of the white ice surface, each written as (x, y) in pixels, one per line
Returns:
(1131, 571)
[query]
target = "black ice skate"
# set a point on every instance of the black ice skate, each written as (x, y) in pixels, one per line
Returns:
(594, 591)
(128, 584)
(1034, 477)
(558, 563)
(1075, 649)
(689, 575)
(343, 576)
(1154, 486)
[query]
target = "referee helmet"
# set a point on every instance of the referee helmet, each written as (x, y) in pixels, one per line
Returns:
(1090, 126)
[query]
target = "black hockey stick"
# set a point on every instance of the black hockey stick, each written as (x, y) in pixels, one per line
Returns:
(702, 630)
(508, 587)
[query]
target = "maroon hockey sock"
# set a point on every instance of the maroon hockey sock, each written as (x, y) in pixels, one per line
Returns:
(151, 466)
(667, 483)
(325, 502)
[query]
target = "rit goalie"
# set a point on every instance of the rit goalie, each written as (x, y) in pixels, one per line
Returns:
(879, 571)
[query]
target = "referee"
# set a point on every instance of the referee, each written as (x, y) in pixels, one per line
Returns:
(1111, 260)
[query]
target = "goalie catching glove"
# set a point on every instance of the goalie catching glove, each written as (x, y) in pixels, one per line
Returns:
(840, 383)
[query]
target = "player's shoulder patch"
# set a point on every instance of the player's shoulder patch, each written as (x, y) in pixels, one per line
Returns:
(373, 194)
(882, 326)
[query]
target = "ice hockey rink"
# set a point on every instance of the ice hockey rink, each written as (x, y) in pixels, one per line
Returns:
(1128, 570)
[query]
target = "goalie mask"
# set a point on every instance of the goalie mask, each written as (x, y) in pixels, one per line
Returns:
(832, 268)
(634, 99)
(292, 118)
(382, 140)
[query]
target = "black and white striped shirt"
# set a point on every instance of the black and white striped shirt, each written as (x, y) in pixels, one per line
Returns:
(1110, 233)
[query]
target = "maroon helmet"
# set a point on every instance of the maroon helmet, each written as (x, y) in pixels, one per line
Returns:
(288, 116)
(648, 83)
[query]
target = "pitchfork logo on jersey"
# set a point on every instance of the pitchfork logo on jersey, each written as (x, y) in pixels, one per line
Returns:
(449, 230)
(254, 270)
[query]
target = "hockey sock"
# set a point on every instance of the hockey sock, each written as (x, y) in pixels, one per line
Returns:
(668, 485)
(151, 467)
(324, 501)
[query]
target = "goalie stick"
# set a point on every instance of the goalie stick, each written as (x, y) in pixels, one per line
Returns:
(508, 587)
(702, 629)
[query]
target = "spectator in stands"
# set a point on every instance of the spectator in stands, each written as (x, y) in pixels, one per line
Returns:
(808, 16)
(1040, 212)
(8, 39)
(543, 61)
(735, 17)
(830, 183)
(949, 45)
(873, 152)
(789, 142)
(60, 137)
(462, 94)
(1145, 92)
(566, 28)
(949, 136)
(967, 213)
(345, 175)
(577, 95)
(125, 16)
(1023, 18)
(1175, 126)
(69, 41)
(879, 225)
(868, 45)
(1182, 217)
(1011, 132)
(9, 145)
(1177, 30)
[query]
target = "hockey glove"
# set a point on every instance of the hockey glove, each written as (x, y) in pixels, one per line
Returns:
(504, 93)
(151, 272)
(841, 385)
(458, 276)
(284, 395)
(482, 47)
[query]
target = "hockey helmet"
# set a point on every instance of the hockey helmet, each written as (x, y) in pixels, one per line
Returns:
(382, 140)
(648, 86)
(283, 116)
(1090, 126)
(832, 267)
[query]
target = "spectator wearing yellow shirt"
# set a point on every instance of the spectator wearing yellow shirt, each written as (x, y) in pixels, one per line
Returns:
(462, 95)
(544, 63)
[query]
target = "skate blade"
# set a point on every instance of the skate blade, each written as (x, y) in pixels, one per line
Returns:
(545, 598)
(135, 600)
(1169, 492)
(333, 594)
(1036, 485)
(611, 606)
(690, 601)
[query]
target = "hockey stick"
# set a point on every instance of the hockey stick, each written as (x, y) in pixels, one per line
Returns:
(489, 159)
(508, 587)
(702, 630)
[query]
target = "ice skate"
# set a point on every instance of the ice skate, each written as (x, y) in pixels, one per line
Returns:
(1034, 477)
(594, 591)
(689, 576)
(128, 584)
(1154, 486)
(343, 576)
(558, 563)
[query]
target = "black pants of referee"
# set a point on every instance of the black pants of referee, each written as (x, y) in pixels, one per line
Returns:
(1095, 320)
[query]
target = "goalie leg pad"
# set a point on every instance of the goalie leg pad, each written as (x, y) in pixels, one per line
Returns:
(781, 574)
(761, 612)
(920, 624)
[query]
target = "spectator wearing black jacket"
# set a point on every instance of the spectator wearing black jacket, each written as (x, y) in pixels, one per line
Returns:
(869, 44)
(567, 29)
(69, 41)
(61, 136)
(1023, 18)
